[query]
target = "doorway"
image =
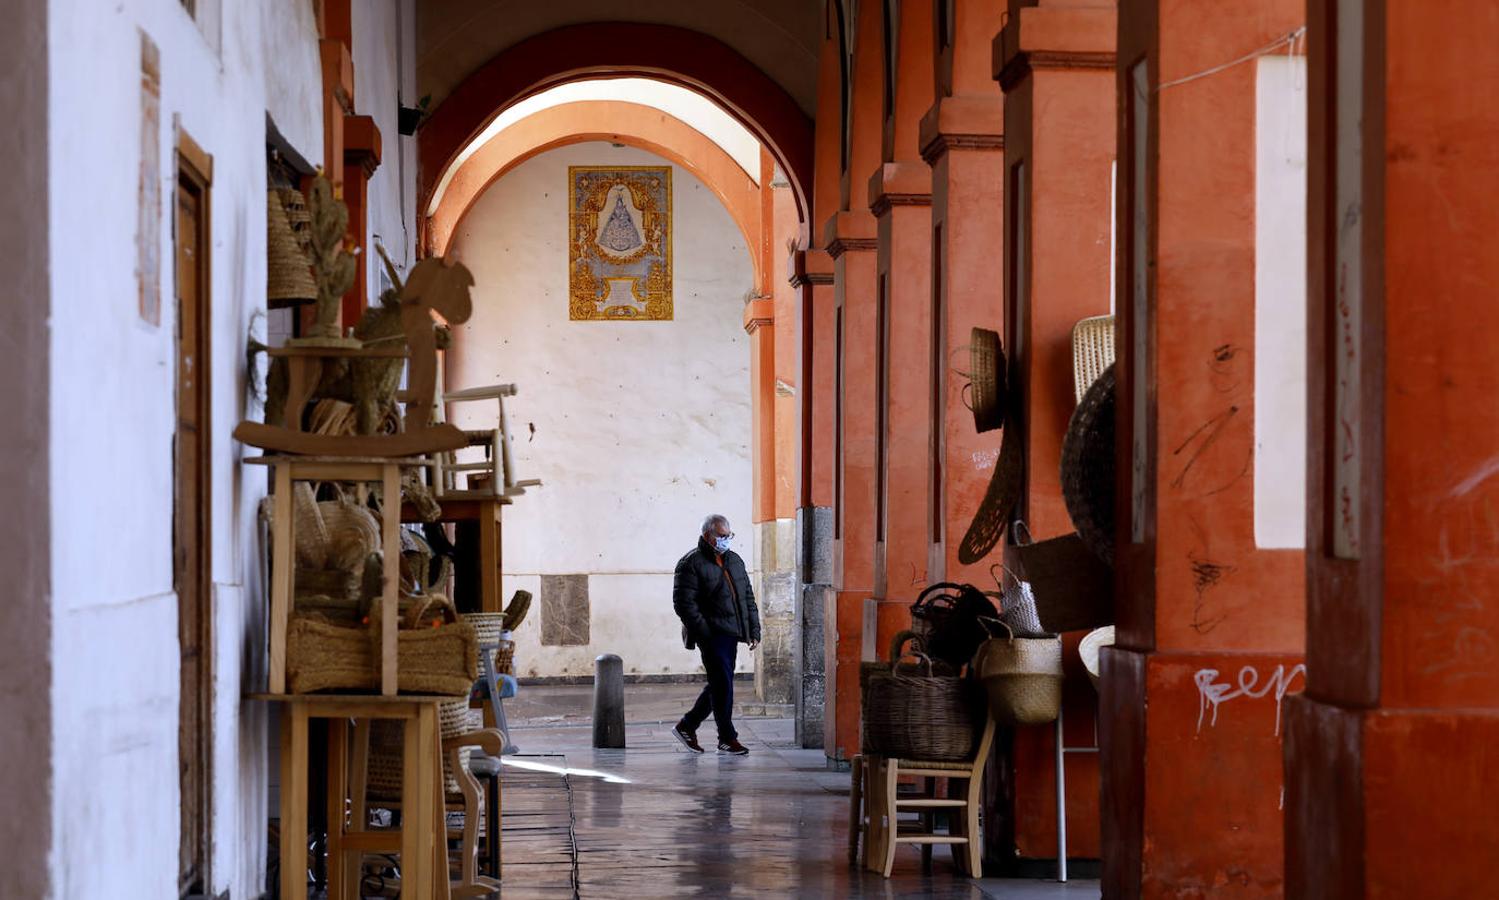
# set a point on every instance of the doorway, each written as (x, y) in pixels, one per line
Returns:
(191, 537)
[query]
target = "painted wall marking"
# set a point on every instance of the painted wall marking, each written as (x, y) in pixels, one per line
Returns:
(1211, 693)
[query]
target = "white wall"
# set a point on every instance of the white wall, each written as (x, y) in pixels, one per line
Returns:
(383, 31)
(642, 428)
(1280, 302)
(115, 646)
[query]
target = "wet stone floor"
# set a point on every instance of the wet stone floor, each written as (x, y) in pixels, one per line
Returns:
(654, 820)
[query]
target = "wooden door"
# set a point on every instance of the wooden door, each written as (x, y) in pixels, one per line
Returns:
(192, 544)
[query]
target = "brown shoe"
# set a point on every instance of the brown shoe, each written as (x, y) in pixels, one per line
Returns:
(687, 738)
(733, 747)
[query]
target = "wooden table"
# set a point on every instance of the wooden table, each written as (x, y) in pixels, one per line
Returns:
(421, 840)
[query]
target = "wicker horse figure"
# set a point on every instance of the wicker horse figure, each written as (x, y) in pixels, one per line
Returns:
(368, 375)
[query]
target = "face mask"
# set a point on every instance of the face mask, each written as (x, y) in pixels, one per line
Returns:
(721, 544)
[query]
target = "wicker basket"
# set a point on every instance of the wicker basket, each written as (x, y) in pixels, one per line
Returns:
(918, 715)
(491, 632)
(383, 779)
(1022, 676)
(441, 659)
(289, 269)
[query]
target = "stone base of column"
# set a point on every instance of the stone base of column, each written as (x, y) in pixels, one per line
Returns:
(1374, 797)
(814, 540)
(1192, 772)
(776, 593)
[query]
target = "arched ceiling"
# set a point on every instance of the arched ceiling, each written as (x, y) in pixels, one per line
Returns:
(601, 120)
(454, 38)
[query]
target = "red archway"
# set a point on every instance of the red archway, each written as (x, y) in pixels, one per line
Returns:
(617, 49)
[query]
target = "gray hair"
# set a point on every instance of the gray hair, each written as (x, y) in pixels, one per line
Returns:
(712, 522)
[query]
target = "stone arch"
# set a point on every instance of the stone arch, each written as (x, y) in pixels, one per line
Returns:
(632, 124)
(676, 55)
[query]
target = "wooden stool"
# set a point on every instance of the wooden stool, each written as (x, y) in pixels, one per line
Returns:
(421, 840)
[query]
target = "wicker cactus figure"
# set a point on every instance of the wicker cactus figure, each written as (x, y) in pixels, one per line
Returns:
(332, 265)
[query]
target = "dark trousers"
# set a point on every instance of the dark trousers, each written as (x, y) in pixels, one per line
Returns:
(718, 694)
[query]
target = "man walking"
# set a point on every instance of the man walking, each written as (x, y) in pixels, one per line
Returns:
(712, 596)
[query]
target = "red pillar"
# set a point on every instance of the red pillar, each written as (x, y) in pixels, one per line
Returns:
(849, 237)
(1210, 623)
(900, 195)
(1055, 63)
(1390, 771)
(962, 139)
(361, 158)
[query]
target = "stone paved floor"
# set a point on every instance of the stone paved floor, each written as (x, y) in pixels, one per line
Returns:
(656, 821)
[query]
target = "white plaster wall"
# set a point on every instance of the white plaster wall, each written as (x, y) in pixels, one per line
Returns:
(1280, 302)
(641, 428)
(115, 688)
(385, 30)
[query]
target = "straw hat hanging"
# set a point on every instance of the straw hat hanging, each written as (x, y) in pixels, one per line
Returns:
(1088, 462)
(986, 364)
(1092, 351)
(288, 269)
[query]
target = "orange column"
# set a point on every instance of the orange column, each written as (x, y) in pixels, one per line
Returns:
(811, 275)
(361, 158)
(849, 237)
(900, 194)
(1055, 63)
(1210, 625)
(1389, 754)
(759, 322)
(962, 139)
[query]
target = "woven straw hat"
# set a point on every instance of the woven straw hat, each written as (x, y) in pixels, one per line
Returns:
(1003, 493)
(1092, 352)
(1088, 467)
(986, 363)
(288, 268)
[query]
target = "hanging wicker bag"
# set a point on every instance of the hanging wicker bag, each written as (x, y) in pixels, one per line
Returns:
(918, 715)
(289, 269)
(1017, 602)
(1022, 676)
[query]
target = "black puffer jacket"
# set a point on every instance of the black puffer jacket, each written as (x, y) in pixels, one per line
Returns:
(705, 601)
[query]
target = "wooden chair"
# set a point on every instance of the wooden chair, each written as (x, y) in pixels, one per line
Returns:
(885, 803)
(462, 792)
(496, 468)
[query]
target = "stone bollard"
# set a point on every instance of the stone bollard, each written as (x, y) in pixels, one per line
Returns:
(608, 701)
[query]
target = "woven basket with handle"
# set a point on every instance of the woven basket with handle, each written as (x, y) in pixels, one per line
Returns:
(915, 714)
(490, 630)
(437, 658)
(454, 719)
(1021, 675)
